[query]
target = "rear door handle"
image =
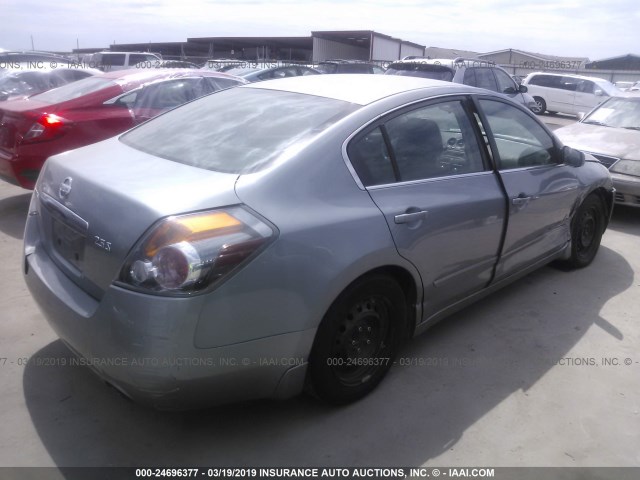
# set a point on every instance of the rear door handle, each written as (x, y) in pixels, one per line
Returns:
(410, 217)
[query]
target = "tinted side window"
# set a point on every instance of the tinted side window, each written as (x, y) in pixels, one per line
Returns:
(135, 58)
(485, 79)
(505, 82)
(165, 95)
(220, 83)
(540, 80)
(586, 86)
(428, 142)
(370, 158)
(520, 140)
(117, 59)
(569, 83)
(469, 77)
(354, 68)
(545, 81)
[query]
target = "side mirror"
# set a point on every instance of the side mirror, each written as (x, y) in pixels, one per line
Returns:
(572, 157)
(523, 89)
(598, 93)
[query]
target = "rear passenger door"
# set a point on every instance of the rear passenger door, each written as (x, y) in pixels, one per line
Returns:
(541, 190)
(425, 170)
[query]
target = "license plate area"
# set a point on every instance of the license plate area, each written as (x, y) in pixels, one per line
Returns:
(6, 139)
(69, 243)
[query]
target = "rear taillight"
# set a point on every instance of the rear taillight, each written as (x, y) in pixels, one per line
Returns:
(48, 127)
(187, 254)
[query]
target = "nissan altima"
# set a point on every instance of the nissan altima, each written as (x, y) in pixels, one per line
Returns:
(292, 234)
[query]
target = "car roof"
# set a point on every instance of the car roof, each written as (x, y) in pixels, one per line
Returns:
(361, 89)
(447, 62)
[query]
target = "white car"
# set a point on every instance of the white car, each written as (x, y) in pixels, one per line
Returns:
(108, 61)
(573, 94)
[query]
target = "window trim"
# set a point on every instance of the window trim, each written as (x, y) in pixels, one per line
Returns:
(490, 136)
(464, 98)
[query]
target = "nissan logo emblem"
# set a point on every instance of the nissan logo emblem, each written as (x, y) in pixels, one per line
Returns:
(65, 187)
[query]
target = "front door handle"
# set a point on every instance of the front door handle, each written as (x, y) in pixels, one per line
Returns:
(410, 217)
(520, 199)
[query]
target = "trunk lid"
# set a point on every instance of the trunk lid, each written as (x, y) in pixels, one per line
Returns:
(96, 202)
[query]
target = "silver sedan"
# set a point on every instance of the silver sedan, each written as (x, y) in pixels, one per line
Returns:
(293, 233)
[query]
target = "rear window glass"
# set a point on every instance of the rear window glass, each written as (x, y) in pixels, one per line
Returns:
(74, 90)
(434, 72)
(240, 130)
(327, 67)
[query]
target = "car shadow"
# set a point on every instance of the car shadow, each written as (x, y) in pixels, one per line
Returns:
(443, 382)
(13, 214)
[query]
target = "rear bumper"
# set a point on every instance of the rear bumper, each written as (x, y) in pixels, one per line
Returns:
(144, 345)
(19, 171)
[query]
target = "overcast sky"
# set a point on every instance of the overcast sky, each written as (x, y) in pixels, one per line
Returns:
(594, 29)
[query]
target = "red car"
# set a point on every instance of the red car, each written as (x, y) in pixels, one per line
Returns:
(91, 110)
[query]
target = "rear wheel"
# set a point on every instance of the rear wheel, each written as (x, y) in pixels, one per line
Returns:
(540, 106)
(357, 340)
(587, 228)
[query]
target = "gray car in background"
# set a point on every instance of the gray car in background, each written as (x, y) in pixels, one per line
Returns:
(473, 72)
(295, 232)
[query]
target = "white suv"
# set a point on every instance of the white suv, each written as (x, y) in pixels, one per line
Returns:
(574, 94)
(108, 61)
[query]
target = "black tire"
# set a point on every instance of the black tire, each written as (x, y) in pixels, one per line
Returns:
(587, 227)
(540, 106)
(357, 340)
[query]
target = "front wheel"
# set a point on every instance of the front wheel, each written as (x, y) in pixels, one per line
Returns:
(539, 107)
(587, 228)
(357, 340)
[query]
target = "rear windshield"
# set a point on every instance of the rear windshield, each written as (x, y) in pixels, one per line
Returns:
(74, 90)
(240, 130)
(434, 72)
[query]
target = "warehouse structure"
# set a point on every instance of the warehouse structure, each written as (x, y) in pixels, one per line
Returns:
(321, 45)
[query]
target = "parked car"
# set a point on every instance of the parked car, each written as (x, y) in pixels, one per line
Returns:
(298, 230)
(10, 59)
(226, 64)
(166, 64)
(23, 81)
(109, 61)
(261, 74)
(611, 133)
(623, 85)
(348, 66)
(91, 110)
(473, 72)
(573, 94)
